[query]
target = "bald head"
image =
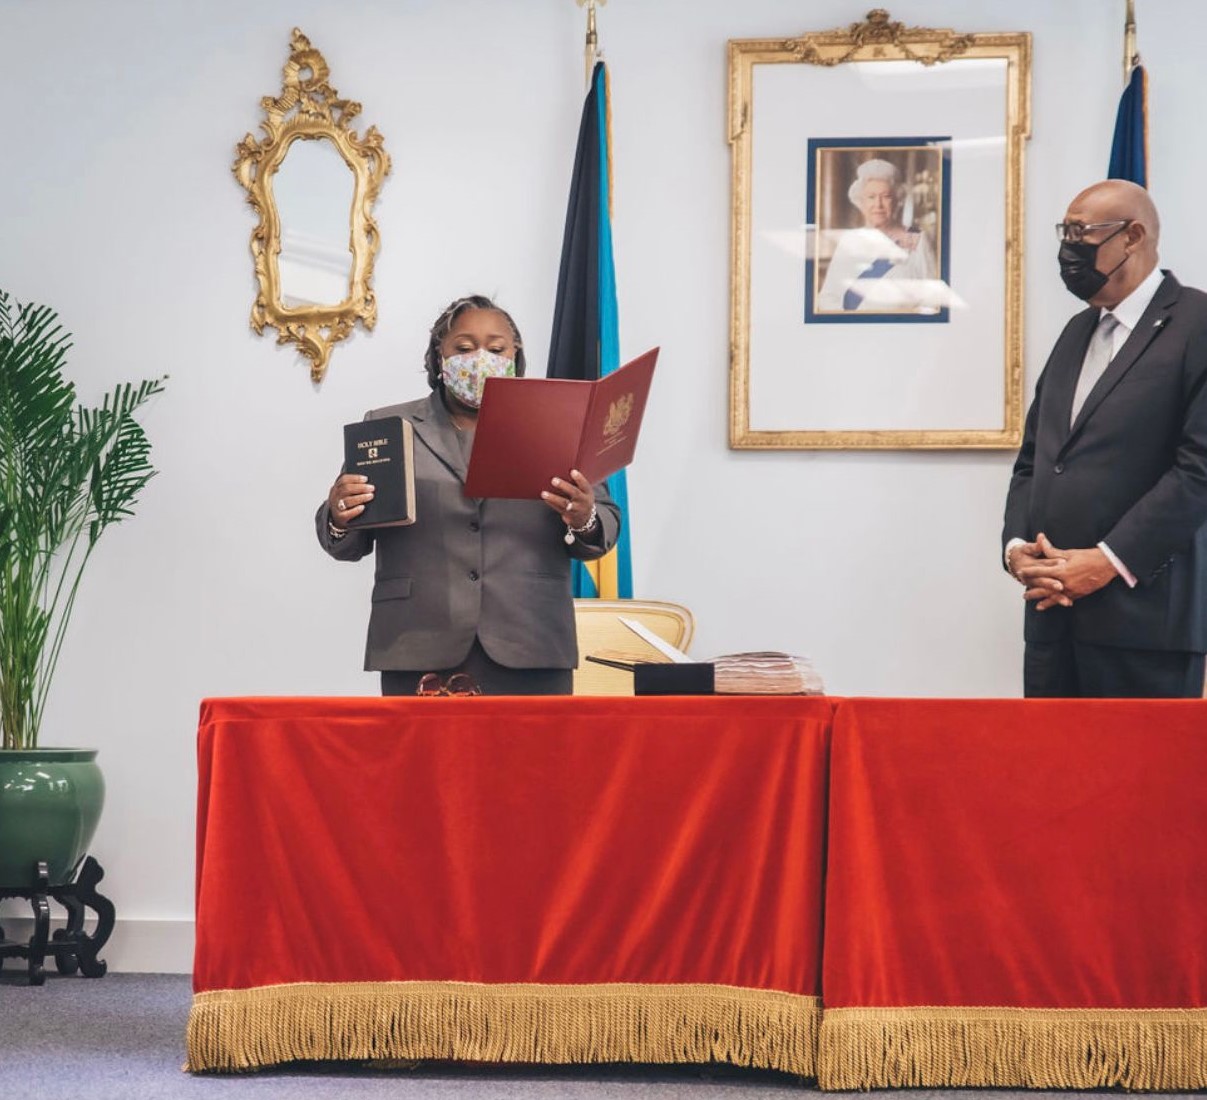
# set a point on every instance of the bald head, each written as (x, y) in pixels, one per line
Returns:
(1118, 200)
(1127, 254)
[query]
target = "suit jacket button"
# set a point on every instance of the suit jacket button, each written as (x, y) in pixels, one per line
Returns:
(1059, 468)
(473, 574)
(474, 525)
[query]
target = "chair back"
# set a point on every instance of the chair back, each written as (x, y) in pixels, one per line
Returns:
(600, 628)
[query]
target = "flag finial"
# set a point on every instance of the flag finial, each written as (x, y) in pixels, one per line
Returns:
(592, 52)
(1131, 56)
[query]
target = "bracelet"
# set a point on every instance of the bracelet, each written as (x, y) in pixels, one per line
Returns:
(571, 532)
(336, 533)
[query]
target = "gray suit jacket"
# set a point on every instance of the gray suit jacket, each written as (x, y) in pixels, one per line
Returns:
(495, 569)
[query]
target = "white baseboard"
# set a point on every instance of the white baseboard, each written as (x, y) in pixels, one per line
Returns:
(136, 946)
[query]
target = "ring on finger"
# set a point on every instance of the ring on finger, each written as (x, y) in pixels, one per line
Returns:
(569, 505)
(340, 505)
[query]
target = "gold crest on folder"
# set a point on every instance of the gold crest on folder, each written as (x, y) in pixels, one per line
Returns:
(619, 412)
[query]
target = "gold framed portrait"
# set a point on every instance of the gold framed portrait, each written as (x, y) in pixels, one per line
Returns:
(876, 238)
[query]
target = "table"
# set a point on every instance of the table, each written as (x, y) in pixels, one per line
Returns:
(1014, 892)
(1016, 895)
(552, 880)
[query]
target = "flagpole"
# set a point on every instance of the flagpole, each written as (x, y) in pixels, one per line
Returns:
(1129, 146)
(1130, 55)
(591, 51)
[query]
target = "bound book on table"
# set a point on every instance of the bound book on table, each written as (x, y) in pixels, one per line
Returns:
(531, 430)
(384, 451)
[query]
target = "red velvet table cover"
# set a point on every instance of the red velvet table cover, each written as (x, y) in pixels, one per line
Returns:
(562, 879)
(1016, 895)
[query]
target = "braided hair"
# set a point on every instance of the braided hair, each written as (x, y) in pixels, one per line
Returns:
(433, 360)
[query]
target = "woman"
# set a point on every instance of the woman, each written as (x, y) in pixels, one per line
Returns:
(475, 586)
(884, 267)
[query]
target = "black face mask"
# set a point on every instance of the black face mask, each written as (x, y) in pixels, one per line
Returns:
(1078, 266)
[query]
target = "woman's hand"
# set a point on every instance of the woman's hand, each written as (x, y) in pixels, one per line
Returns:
(348, 497)
(572, 500)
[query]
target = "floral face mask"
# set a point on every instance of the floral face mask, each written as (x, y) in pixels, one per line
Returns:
(465, 375)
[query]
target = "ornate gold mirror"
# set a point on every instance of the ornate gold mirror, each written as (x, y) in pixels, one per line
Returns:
(313, 182)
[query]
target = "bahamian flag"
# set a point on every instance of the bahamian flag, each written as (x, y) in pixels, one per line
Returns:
(1129, 150)
(586, 339)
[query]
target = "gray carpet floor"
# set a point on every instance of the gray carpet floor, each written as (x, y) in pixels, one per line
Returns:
(121, 1037)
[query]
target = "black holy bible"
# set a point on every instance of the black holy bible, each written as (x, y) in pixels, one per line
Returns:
(384, 451)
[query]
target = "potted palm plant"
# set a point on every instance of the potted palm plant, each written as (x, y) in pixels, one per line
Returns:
(67, 472)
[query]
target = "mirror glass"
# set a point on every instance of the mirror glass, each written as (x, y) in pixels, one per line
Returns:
(314, 190)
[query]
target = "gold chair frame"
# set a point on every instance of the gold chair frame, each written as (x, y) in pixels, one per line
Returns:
(672, 622)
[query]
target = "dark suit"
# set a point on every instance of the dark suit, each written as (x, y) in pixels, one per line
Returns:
(1131, 471)
(498, 570)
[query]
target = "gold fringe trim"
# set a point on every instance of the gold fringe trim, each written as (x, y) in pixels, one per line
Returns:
(1141, 1049)
(241, 1029)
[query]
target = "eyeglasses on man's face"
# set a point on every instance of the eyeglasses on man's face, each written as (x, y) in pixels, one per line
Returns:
(1076, 231)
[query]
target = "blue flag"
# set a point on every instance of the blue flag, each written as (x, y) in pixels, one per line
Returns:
(1129, 150)
(586, 328)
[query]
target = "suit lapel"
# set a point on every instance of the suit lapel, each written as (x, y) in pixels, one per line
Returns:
(436, 431)
(1151, 322)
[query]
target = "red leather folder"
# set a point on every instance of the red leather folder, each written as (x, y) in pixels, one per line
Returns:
(531, 430)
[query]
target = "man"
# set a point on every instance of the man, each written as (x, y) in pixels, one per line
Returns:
(1105, 518)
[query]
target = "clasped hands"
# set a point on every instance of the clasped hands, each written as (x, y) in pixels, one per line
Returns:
(1052, 577)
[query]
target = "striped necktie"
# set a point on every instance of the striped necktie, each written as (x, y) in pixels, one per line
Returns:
(1097, 358)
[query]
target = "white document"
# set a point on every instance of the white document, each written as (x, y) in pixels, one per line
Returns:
(665, 648)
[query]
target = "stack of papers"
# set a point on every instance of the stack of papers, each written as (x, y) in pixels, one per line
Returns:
(766, 673)
(761, 673)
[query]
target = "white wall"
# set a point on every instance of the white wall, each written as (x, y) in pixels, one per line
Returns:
(117, 207)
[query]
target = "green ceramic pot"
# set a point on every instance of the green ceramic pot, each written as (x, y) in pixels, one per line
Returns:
(50, 803)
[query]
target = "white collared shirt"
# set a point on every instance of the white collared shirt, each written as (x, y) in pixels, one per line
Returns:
(1131, 309)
